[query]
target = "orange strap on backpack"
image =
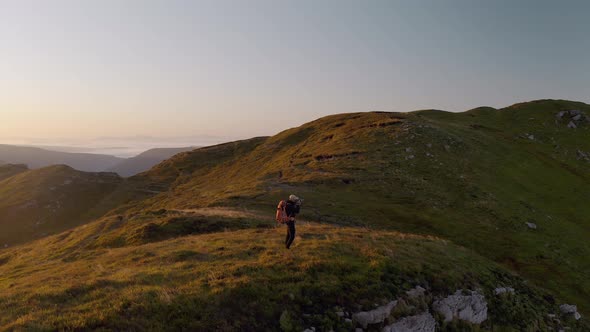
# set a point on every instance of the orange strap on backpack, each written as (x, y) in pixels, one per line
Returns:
(281, 216)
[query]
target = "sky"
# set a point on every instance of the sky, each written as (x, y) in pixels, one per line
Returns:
(77, 70)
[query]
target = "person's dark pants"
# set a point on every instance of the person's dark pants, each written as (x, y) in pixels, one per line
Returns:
(290, 233)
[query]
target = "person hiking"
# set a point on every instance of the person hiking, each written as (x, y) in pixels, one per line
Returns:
(286, 212)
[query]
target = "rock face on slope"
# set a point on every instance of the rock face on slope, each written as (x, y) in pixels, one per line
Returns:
(375, 316)
(419, 323)
(472, 307)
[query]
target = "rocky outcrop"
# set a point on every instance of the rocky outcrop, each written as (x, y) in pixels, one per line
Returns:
(419, 323)
(472, 307)
(569, 309)
(531, 225)
(375, 316)
(575, 118)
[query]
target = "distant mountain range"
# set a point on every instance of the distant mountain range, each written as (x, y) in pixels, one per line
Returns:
(35, 157)
(146, 160)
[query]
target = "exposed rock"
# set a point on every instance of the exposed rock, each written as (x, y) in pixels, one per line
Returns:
(340, 314)
(572, 125)
(472, 308)
(415, 292)
(574, 112)
(411, 156)
(408, 149)
(577, 117)
(375, 316)
(561, 114)
(502, 290)
(583, 155)
(531, 225)
(569, 309)
(419, 323)
(531, 137)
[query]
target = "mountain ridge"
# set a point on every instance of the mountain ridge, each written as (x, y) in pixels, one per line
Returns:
(506, 186)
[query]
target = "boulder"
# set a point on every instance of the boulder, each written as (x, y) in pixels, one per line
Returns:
(572, 125)
(569, 309)
(531, 225)
(560, 114)
(577, 117)
(375, 316)
(472, 308)
(419, 323)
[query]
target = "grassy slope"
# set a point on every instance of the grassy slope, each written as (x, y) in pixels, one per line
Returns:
(49, 200)
(474, 176)
(9, 170)
(242, 280)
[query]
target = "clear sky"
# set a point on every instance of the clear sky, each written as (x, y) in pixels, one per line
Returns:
(84, 69)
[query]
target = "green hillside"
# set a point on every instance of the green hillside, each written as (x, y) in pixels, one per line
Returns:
(476, 178)
(36, 203)
(476, 200)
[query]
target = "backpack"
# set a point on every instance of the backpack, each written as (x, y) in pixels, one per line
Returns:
(281, 216)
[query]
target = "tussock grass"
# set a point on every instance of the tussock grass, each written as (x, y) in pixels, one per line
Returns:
(242, 280)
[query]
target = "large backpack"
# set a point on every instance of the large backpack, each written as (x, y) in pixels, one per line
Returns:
(281, 216)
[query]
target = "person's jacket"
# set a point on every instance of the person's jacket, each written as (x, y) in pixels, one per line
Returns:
(292, 209)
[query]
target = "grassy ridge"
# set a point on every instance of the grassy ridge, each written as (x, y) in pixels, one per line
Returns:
(475, 178)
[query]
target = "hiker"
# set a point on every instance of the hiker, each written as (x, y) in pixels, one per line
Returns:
(286, 212)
